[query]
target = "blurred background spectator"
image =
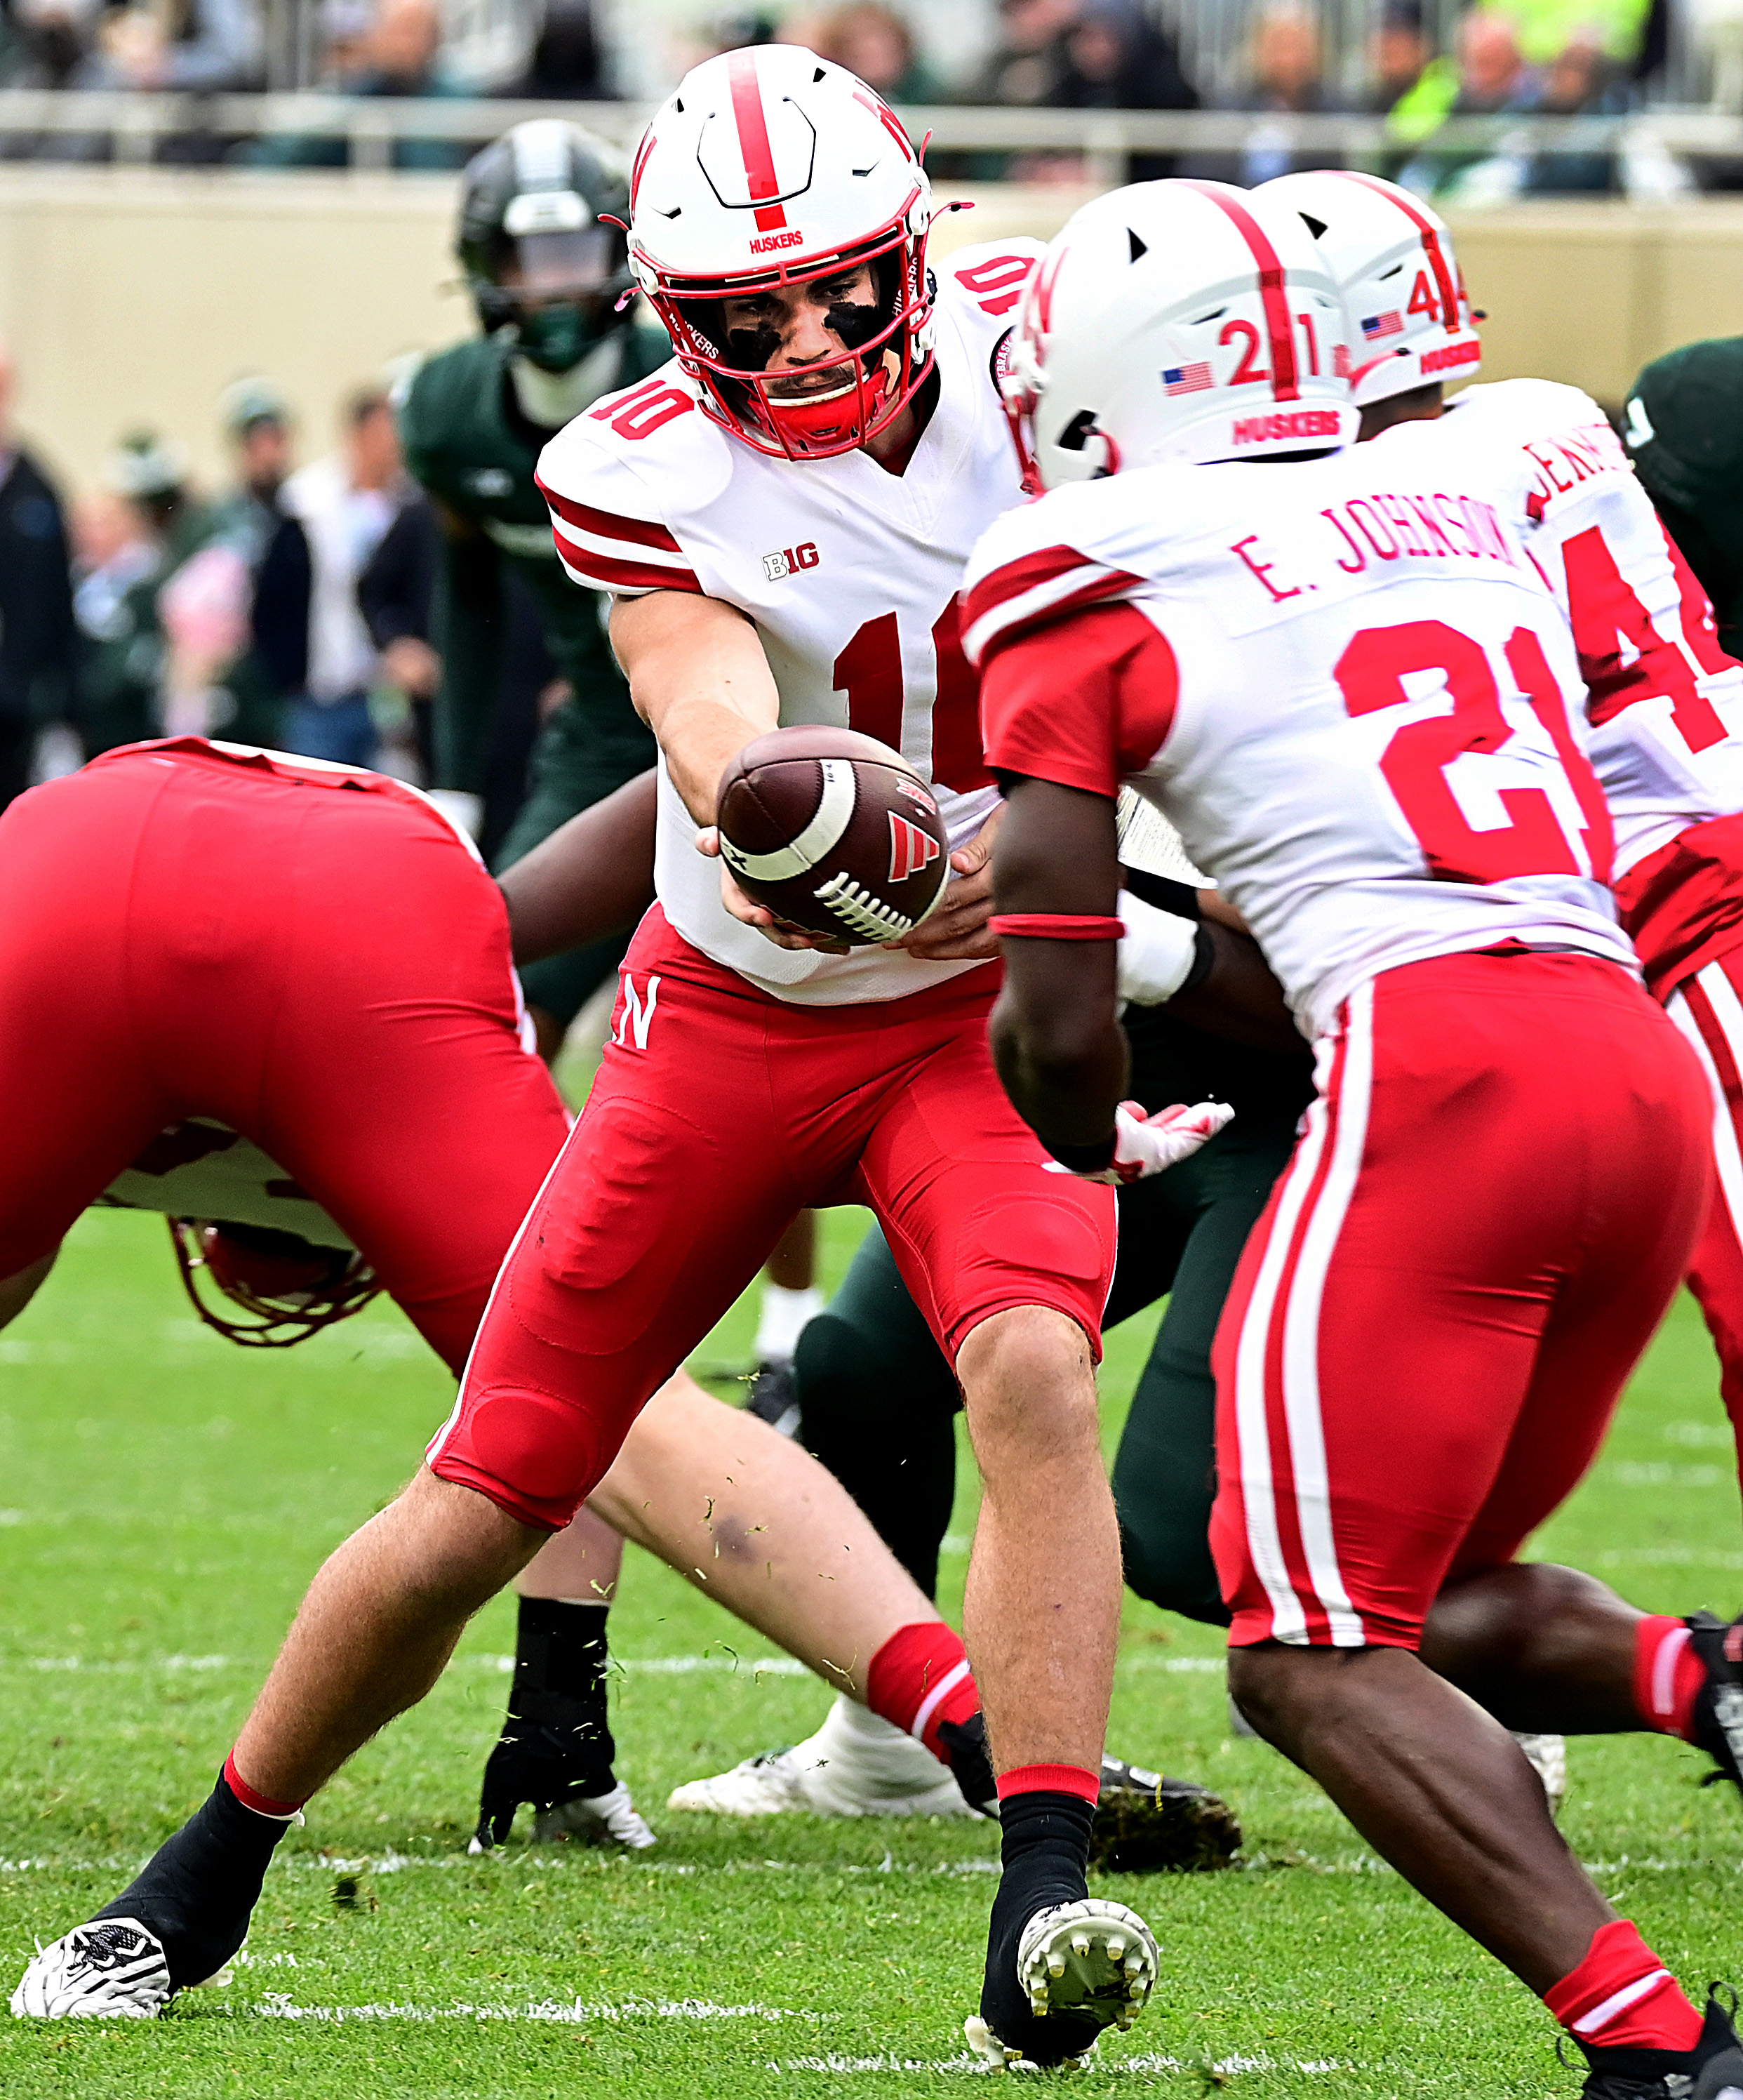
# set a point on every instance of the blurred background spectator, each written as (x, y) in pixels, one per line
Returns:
(394, 49)
(123, 534)
(346, 503)
(252, 521)
(872, 40)
(36, 602)
(1287, 79)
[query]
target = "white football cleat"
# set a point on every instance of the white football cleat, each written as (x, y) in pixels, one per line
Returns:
(1548, 1758)
(1090, 1960)
(113, 1969)
(854, 1765)
(598, 1819)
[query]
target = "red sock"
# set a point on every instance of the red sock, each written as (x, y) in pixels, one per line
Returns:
(919, 1677)
(1623, 1996)
(1668, 1676)
(280, 1811)
(1051, 1779)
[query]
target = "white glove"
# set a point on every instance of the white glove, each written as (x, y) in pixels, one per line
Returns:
(1146, 1144)
(1156, 951)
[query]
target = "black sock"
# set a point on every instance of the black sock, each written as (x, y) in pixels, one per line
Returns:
(1044, 1846)
(560, 1663)
(198, 1891)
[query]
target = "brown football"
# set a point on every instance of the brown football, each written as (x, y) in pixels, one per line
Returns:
(834, 832)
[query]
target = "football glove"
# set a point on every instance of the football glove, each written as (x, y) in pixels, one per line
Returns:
(1146, 1144)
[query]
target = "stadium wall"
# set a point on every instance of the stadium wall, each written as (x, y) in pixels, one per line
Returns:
(132, 297)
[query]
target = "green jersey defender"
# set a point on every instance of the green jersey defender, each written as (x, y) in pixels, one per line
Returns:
(547, 278)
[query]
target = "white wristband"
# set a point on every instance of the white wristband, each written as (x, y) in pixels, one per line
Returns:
(1156, 952)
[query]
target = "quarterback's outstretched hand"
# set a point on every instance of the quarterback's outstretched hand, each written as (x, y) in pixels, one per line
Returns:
(1146, 1144)
(957, 930)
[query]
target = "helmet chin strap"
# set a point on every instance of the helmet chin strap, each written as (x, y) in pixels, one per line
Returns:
(552, 399)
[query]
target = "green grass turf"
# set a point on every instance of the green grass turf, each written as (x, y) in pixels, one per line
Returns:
(166, 1499)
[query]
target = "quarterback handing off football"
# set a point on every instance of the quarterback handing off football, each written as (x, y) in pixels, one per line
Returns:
(834, 832)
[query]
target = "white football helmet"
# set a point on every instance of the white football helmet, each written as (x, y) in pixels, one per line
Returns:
(1410, 323)
(771, 167)
(1177, 320)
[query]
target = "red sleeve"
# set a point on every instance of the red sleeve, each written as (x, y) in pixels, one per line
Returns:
(1083, 701)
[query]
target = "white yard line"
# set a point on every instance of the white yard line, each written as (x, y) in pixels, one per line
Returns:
(279, 2005)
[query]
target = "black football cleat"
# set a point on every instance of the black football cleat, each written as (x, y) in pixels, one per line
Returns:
(1712, 2070)
(1718, 1708)
(567, 1777)
(971, 1762)
(1147, 1824)
(773, 1397)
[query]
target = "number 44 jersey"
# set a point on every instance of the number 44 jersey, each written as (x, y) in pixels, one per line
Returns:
(850, 573)
(1345, 683)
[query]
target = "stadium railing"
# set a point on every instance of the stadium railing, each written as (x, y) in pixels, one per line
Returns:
(129, 127)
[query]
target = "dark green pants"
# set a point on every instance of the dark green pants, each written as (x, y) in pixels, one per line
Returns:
(878, 1401)
(581, 757)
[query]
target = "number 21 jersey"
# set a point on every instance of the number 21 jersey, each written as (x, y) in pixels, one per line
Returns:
(850, 573)
(1348, 687)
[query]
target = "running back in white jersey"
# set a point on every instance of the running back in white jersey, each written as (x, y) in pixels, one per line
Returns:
(1348, 688)
(850, 573)
(1665, 704)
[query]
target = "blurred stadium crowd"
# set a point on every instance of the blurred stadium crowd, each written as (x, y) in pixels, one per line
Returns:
(1415, 62)
(292, 607)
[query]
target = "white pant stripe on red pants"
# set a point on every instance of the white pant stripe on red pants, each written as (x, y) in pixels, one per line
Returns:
(1314, 1197)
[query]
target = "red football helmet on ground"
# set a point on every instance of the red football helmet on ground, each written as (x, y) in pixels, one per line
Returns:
(289, 1287)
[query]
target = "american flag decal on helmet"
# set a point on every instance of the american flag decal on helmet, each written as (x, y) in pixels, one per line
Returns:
(1379, 324)
(1185, 378)
(911, 849)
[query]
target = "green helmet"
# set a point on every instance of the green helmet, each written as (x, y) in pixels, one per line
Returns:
(536, 257)
(1684, 428)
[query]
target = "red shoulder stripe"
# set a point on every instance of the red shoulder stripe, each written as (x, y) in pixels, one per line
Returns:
(604, 574)
(1029, 572)
(639, 532)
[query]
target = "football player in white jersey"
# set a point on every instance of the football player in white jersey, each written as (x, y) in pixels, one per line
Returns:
(1665, 704)
(1346, 682)
(784, 514)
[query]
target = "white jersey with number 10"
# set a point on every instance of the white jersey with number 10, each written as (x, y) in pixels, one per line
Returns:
(1348, 687)
(851, 574)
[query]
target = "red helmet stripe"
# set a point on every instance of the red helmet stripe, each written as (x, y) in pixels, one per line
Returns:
(1278, 324)
(642, 152)
(1431, 241)
(753, 126)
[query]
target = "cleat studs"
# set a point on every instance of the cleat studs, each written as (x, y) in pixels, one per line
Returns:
(1079, 1943)
(1055, 1965)
(1115, 1947)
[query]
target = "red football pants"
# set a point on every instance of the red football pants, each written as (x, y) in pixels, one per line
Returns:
(718, 1112)
(325, 970)
(1492, 1206)
(1708, 1009)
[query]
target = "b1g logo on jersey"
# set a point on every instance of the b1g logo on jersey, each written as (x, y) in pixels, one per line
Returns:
(775, 566)
(911, 849)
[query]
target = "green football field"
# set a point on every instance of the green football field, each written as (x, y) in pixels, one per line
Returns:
(163, 1499)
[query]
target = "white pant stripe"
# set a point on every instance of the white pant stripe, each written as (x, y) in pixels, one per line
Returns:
(1300, 1351)
(941, 1691)
(1664, 1672)
(1630, 1994)
(1727, 1011)
(1258, 1485)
